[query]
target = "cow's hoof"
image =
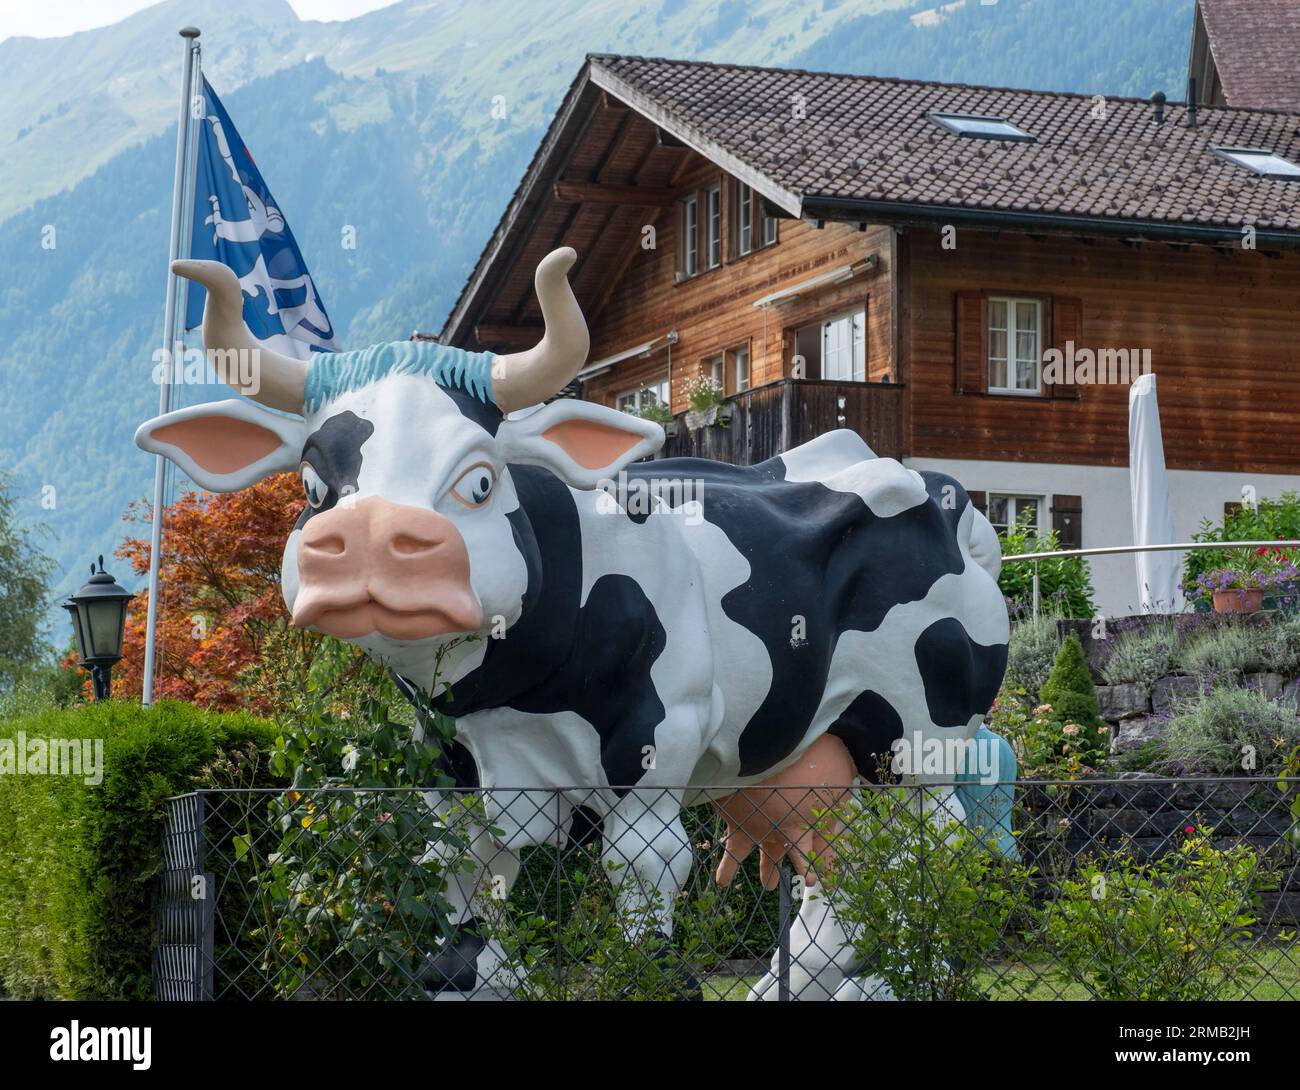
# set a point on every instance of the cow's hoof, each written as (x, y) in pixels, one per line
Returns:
(453, 967)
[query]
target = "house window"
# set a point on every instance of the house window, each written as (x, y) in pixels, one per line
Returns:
(744, 219)
(1007, 509)
(691, 236)
(644, 397)
(714, 252)
(981, 126)
(750, 228)
(1261, 161)
(835, 348)
(740, 368)
(1015, 345)
(714, 368)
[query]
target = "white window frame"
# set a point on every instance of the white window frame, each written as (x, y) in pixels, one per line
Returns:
(744, 219)
(742, 375)
(769, 231)
(635, 396)
(857, 348)
(713, 226)
(1012, 331)
(717, 366)
(1014, 500)
(691, 235)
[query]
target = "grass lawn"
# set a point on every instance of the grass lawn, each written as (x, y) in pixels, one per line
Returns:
(1277, 977)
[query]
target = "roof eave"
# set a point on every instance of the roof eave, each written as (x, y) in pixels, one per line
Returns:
(646, 106)
(817, 206)
(454, 327)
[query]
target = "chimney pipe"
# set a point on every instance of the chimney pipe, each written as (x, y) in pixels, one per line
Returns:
(1191, 102)
(1158, 101)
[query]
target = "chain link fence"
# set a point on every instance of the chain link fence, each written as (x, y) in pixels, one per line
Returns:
(1135, 888)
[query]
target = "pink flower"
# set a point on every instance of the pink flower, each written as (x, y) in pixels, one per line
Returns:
(1190, 829)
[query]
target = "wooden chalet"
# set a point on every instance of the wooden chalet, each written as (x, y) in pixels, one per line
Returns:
(897, 256)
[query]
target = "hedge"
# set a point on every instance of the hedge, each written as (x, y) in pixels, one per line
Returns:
(80, 863)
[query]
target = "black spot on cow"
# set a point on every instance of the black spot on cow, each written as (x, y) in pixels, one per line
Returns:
(821, 563)
(593, 659)
(334, 451)
(868, 727)
(961, 677)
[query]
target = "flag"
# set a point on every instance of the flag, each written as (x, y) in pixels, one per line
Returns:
(237, 222)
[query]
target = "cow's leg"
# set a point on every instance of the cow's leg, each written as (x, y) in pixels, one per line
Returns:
(471, 957)
(648, 860)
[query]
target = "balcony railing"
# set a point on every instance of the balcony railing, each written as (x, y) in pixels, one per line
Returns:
(762, 422)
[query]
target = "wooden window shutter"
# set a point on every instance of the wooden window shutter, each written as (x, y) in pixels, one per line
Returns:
(980, 500)
(1067, 520)
(972, 362)
(1067, 325)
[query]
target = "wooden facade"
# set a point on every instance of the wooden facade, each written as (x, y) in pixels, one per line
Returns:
(1219, 324)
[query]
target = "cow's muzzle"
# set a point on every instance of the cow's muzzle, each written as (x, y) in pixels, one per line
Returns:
(380, 567)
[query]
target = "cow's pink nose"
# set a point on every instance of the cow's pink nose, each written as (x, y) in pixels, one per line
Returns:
(379, 566)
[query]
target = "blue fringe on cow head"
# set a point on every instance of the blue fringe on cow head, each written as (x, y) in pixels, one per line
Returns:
(330, 374)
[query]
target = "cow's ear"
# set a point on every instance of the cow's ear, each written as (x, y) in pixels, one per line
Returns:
(580, 442)
(225, 445)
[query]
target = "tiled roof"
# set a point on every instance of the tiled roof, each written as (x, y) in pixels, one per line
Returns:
(869, 141)
(1256, 50)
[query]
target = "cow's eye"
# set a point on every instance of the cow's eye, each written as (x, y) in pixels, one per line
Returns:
(313, 486)
(474, 486)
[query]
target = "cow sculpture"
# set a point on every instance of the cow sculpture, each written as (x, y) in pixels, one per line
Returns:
(785, 623)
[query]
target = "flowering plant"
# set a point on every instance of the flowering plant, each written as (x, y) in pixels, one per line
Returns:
(703, 392)
(1269, 567)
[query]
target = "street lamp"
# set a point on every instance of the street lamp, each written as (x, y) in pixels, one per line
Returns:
(98, 612)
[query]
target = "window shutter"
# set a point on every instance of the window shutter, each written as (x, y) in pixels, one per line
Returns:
(1067, 325)
(980, 500)
(972, 364)
(1067, 520)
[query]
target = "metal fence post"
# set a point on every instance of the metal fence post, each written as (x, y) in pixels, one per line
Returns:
(1035, 590)
(205, 906)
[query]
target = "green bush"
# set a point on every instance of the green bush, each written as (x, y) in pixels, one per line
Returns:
(1279, 646)
(1224, 653)
(1230, 731)
(1064, 584)
(1268, 521)
(1073, 699)
(1173, 929)
(1031, 652)
(80, 871)
(1142, 656)
(926, 908)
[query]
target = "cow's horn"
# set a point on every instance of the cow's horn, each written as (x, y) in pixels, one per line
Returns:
(280, 380)
(528, 378)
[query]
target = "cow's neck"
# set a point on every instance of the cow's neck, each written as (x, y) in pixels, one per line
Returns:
(538, 645)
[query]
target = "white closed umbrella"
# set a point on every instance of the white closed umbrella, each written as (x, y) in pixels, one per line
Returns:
(1153, 515)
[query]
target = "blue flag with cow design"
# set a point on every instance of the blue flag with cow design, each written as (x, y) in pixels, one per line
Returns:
(237, 222)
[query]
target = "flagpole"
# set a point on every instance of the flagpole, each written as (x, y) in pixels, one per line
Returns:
(190, 35)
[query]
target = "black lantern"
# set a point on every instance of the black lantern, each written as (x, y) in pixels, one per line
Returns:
(98, 612)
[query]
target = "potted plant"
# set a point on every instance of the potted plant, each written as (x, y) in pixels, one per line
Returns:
(1239, 586)
(706, 398)
(1280, 563)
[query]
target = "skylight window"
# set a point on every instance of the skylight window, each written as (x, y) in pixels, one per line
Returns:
(1261, 161)
(985, 128)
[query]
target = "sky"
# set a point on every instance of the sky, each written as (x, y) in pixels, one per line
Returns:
(55, 18)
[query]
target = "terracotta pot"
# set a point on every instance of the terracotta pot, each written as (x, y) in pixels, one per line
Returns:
(1238, 601)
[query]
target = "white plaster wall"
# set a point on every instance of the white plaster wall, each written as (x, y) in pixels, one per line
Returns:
(1107, 509)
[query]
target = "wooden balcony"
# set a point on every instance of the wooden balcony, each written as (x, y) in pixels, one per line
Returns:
(769, 419)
